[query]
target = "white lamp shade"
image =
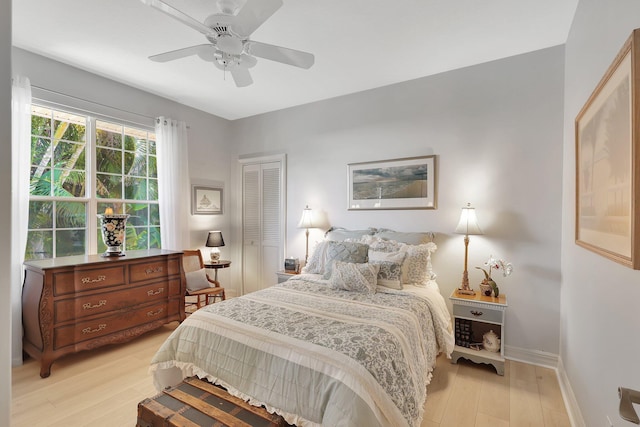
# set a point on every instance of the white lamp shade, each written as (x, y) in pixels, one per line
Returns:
(308, 219)
(468, 224)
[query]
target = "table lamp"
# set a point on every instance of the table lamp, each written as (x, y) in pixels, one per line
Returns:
(307, 221)
(468, 225)
(214, 241)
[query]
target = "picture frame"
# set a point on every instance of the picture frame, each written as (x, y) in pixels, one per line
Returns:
(405, 183)
(206, 200)
(607, 162)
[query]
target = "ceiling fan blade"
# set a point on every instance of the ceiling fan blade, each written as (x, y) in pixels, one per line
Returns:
(241, 76)
(285, 55)
(178, 15)
(201, 49)
(253, 14)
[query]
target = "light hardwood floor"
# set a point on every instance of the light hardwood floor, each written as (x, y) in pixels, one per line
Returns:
(103, 387)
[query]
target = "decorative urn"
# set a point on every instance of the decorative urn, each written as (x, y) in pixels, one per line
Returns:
(113, 232)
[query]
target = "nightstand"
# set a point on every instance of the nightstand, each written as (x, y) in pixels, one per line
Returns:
(283, 276)
(474, 316)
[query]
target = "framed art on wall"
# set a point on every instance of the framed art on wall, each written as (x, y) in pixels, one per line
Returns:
(408, 183)
(206, 200)
(607, 161)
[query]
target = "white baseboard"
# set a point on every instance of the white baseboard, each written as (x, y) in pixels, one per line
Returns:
(553, 361)
(570, 402)
(533, 357)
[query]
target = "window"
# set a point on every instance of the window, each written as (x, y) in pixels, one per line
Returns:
(80, 166)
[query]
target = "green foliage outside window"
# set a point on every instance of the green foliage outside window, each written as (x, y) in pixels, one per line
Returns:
(125, 181)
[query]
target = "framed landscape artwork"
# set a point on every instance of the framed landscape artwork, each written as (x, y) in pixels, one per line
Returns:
(206, 200)
(408, 183)
(607, 156)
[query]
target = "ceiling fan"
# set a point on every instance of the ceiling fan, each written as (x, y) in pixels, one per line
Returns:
(228, 32)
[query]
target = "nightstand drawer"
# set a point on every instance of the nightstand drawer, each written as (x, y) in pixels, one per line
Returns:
(477, 313)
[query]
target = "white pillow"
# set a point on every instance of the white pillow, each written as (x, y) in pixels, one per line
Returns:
(356, 277)
(197, 280)
(416, 267)
(317, 260)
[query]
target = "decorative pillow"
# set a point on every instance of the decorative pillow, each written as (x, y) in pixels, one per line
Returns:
(388, 246)
(389, 274)
(317, 260)
(197, 280)
(416, 267)
(340, 234)
(354, 277)
(410, 238)
(344, 251)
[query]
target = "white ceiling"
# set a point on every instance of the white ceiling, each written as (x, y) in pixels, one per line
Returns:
(358, 44)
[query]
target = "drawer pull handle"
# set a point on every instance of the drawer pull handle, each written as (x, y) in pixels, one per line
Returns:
(86, 280)
(154, 313)
(89, 306)
(476, 313)
(92, 331)
(153, 270)
(152, 292)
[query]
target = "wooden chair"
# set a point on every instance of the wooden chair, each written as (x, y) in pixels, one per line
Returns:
(199, 285)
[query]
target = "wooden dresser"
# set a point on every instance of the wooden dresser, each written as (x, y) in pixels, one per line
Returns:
(82, 302)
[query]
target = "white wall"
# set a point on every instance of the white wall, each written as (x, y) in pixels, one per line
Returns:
(599, 326)
(5, 211)
(497, 130)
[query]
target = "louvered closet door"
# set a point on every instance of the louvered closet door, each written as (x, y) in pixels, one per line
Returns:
(262, 222)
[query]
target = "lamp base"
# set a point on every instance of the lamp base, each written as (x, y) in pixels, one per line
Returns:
(214, 255)
(464, 288)
(465, 291)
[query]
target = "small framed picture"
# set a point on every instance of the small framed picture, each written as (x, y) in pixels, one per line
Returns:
(206, 200)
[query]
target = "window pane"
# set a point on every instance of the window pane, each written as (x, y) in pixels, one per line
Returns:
(39, 245)
(41, 125)
(153, 168)
(153, 189)
(116, 207)
(40, 215)
(69, 131)
(137, 238)
(109, 161)
(108, 134)
(101, 246)
(108, 186)
(69, 155)
(152, 144)
(135, 188)
(71, 215)
(70, 242)
(40, 184)
(40, 151)
(139, 213)
(69, 183)
(154, 237)
(135, 164)
(154, 214)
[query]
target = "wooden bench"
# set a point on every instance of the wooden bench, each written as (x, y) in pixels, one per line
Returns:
(198, 403)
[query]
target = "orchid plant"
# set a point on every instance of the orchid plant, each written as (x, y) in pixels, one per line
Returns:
(495, 264)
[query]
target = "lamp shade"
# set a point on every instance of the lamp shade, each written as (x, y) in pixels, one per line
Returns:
(468, 224)
(215, 239)
(308, 219)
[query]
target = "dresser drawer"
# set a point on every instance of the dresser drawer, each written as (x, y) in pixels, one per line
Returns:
(156, 268)
(119, 321)
(89, 305)
(477, 313)
(72, 282)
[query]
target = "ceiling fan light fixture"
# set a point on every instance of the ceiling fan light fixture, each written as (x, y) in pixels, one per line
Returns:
(229, 44)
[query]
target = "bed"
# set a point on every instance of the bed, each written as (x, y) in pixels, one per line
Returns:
(350, 342)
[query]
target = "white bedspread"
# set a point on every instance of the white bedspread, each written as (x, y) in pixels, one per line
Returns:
(318, 356)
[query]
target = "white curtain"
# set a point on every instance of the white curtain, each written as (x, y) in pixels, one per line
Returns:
(173, 183)
(20, 161)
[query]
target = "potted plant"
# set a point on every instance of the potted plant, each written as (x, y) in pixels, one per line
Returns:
(488, 286)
